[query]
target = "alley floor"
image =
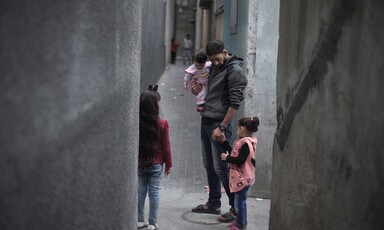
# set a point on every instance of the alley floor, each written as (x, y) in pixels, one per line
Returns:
(184, 187)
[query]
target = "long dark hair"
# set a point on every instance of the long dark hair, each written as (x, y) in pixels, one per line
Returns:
(149, 124)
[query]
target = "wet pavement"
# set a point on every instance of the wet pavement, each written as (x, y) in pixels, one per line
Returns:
(184, 187)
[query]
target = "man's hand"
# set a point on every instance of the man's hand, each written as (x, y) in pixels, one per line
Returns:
(218, 135)
(196, 88)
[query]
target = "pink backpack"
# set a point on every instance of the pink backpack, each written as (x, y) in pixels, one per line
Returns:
(242, 175)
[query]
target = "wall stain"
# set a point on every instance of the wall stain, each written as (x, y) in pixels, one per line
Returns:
(325, 52)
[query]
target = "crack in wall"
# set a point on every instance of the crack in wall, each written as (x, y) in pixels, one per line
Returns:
(326, 50)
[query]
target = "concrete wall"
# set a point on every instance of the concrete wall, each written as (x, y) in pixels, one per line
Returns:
(152, 42)
(261, 65)
(256, 42)
(68, 106)
(328, 158)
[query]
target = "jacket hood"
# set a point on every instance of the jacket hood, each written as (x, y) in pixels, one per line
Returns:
(233, 59)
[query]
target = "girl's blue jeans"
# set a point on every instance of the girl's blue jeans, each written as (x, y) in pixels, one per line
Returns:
(241, 207)
(149, 182)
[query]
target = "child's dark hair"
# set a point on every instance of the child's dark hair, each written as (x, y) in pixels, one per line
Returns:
(214, 47)
(149, 127)
(252, 124)
(199, 56)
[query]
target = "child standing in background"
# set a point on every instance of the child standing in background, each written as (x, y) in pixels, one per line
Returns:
(154, 152)
(198, 72)
(241, 167)
(187, 47)
(174, 46)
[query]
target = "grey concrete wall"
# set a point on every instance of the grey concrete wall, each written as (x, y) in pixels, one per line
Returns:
(152, 42)
(328, 158)
(68, 105)
(260, 100)
(256, 42)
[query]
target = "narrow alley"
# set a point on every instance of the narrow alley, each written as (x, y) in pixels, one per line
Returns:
(184, 187)
(71, 77)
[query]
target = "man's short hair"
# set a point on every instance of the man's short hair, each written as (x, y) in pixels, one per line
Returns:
(214, 47)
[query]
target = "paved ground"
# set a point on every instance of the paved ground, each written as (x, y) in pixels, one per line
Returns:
(184, 187)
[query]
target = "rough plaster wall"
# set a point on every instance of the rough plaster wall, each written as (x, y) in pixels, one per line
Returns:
(327, 162)
(261, 90)
(152, 42)
(68, 105)
(256, 42)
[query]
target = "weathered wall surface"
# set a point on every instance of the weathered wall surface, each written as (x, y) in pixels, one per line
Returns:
(256, 42)
(152, 42)
(328, 159)
(261, 61)
(68, 105)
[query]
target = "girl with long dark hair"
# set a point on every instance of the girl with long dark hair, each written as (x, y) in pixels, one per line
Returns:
(154, 152)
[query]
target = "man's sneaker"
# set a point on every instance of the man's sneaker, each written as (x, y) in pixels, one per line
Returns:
(142, 224)
(153, 227)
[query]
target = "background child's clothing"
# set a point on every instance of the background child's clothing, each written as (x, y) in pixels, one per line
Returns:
(174, 47)
(199, 76)
(187, 48)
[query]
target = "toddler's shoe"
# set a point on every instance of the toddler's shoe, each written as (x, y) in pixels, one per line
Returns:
(232, 224)
(153, 227)
(142, 224)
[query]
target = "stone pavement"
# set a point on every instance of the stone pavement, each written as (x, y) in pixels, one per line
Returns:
(184, 187)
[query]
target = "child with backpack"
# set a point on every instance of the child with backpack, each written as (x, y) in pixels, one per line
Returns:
(241, 167)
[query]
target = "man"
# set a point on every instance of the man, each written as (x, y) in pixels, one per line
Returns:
(226, 84)
(187, 48)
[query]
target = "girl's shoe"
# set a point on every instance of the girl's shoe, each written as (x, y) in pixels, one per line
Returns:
(142, 224)
(232, 224)
(234, 227)
(153, 227)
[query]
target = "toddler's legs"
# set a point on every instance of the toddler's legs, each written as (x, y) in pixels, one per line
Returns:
(200, 99)
(241, 207)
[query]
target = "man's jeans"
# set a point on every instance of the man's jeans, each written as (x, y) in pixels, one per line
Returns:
(217, 170)
(241, 207)
(149, 182)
